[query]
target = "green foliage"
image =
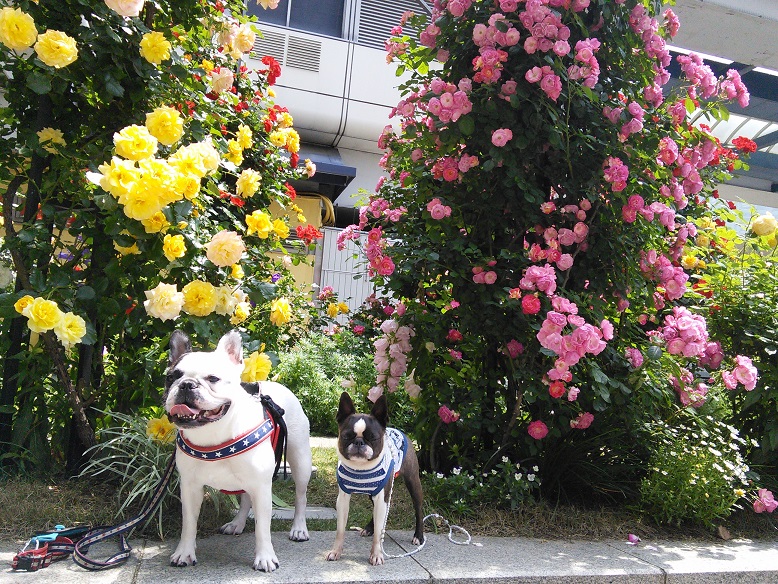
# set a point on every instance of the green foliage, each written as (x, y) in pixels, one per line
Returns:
(321, 366)
(696, 472)
(93, 240)
(135, 460)
(507, 485)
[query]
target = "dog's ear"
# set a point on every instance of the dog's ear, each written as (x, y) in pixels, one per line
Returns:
(232, 344)
(345, 408)
(179, 345)
(380, 411)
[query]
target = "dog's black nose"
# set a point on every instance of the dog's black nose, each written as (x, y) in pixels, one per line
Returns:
(187, 385)
(358, 442)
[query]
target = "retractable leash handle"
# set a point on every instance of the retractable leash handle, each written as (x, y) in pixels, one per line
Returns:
(102, 533)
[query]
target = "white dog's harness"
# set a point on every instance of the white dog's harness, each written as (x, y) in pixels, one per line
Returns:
(373, 480)
(234, 447)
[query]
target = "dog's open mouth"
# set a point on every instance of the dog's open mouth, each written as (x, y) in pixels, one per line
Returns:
(185, 416)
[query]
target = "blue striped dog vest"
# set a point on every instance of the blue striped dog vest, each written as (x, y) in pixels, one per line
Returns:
(373, 480)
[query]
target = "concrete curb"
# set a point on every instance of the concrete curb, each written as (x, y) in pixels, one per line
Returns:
(497, 560)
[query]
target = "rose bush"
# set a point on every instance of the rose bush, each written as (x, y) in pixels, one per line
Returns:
(136, 178)
(571, 182)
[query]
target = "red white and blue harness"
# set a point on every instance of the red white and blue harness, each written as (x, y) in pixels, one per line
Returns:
(372, 481)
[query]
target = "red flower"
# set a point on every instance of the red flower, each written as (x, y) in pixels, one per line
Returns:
(744, 144)
(308, 233)
(557, 389)
(294, 159)
(237, 201)
(530, 304)
(290, 191)
(454, 336)
(273, 71)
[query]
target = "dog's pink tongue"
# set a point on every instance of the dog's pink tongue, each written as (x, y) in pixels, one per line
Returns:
(183, 410)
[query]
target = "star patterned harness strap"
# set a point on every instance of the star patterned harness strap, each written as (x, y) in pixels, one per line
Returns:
(229, 449)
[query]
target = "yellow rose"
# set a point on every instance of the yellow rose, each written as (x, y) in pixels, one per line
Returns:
(160, 430)
(56, 49)
(23, 303)
(245, 137)
(48, 137)
(234, 153)
(173, 247)
(256, 367)
(225, 301)
(241, 313)
(154, 47)
(248, 183)
(42, 315)
(259, 222)
(156, 223)
(702, 240)
(199, 298)
(207, 65)
(280, 311)
(135, 143)
(208, 153)
(292, 141)
(244, 39)
(142, 202)
(343, 307)
(17, 29)
(119, 177)
(164, 302)
(188, 186)
(277, 138)
(332, 310)
(159, 177)
(280, 228)
(225, 248)
(764, 225)
(285, 120)
(70, 329)
(165, 124)
(237, 272)
(189, 160)
(688, 262)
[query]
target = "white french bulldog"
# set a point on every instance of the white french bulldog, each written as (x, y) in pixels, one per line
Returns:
(217, 420)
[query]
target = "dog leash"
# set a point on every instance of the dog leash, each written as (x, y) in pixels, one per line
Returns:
(451, 529)
(62, 542)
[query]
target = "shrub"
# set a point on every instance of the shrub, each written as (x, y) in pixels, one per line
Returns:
(321, 366)
(697, 471)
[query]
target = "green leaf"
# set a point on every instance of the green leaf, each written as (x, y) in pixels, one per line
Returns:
(654, 353)
(39, 83)
(85, 293)
(466, 125)
(113, 86)
(400, 70)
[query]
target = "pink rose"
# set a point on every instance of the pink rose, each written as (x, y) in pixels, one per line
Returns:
(530, 304)
(537, 429)
(501, 137)
(447, 416)
(765, 501)
(583, 421)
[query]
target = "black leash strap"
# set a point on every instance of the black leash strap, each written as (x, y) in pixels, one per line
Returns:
(101, 533)
(276, 412)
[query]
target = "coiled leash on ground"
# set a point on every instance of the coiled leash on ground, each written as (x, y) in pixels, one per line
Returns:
(451, 530)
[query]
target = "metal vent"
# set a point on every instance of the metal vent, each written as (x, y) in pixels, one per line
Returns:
(303, 54)
(271, 44)
(378, 17)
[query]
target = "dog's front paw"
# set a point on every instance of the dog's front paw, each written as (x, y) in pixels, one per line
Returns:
(232, 528)
(266, 562)
(417, 540)
(333, 555)
(298, 534)
(183, 556)
(376, 556)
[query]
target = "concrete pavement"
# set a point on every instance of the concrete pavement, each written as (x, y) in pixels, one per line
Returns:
(520, 560)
